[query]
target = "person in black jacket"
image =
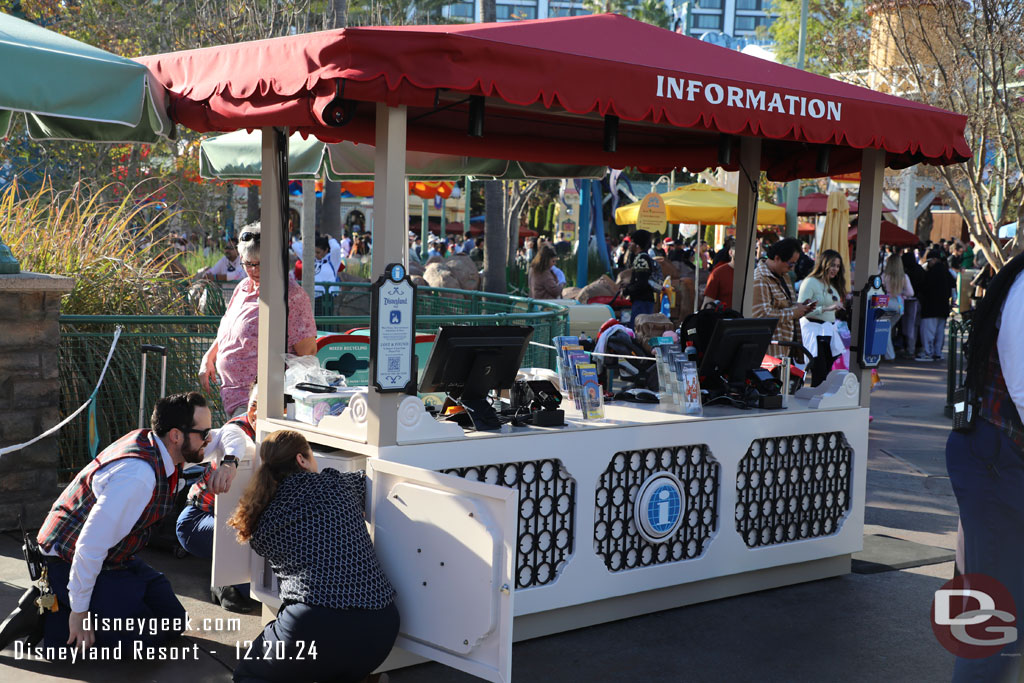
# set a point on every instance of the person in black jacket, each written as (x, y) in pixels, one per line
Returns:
(934, 297)
(338, 619)
(985, 462)
(645, 277)
(911, 322)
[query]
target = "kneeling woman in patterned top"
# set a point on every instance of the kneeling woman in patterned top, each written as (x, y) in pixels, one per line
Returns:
(338, 619)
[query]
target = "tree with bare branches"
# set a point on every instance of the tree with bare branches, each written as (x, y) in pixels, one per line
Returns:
(966, 57)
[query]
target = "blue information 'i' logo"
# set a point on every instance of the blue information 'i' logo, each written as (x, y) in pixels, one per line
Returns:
(663, 508)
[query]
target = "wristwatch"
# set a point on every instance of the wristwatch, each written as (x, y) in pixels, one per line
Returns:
(229, 460)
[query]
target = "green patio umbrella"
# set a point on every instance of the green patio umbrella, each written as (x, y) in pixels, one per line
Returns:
(238, 156)
(72, 91)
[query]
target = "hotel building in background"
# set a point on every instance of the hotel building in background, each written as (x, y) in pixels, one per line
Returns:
(737, 18)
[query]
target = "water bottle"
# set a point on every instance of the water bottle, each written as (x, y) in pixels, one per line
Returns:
(690, 352)
(666, 298)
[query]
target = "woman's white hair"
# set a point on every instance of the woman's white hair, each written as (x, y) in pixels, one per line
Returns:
(249, 249)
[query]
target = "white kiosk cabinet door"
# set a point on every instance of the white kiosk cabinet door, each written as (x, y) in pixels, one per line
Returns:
(447, 545)
(230, 558)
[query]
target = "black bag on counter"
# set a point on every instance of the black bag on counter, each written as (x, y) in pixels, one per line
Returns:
(698, 327)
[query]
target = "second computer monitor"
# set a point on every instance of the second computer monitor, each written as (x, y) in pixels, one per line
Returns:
(737, 346)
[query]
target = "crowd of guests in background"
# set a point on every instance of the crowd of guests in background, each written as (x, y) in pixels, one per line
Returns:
(450, 245)
(921, 282)
(808, 291)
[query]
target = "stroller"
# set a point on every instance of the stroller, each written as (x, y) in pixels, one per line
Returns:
(638, 370)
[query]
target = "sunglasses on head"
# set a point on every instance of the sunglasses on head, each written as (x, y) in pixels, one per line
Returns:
(249, 237)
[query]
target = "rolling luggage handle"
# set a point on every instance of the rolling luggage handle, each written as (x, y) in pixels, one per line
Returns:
(146, 350)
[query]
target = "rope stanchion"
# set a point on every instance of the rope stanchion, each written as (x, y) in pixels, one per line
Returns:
(92, 397)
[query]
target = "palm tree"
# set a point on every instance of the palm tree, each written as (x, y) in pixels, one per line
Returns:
(653, 12)
(607, 6)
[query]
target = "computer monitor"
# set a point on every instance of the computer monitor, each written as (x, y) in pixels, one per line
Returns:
(468, 362)
(737, 346)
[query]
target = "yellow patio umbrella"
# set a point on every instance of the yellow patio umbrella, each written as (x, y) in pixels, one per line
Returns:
(701, 203)
(837, 225)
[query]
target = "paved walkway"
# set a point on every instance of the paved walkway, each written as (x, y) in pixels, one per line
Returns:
(862, 626)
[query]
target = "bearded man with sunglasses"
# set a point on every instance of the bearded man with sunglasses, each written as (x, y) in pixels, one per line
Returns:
(105, 516)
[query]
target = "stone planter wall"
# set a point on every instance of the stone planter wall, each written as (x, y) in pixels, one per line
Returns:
(29, 394)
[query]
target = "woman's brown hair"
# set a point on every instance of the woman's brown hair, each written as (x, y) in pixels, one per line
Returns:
(820, 271)
(545, 258)
(277, 461)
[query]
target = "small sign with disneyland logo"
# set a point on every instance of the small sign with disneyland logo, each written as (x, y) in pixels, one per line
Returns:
(393, 332)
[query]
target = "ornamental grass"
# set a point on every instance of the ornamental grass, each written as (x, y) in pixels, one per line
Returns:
(109, 240)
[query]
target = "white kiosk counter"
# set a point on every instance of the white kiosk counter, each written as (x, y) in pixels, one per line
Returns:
(571, 526)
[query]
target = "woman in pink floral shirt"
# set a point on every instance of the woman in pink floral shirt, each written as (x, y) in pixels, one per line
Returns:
(233, 355)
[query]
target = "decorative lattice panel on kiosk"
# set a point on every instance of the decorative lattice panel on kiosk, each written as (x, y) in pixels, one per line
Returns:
(790, 488)
(547, 514)
(689, 477)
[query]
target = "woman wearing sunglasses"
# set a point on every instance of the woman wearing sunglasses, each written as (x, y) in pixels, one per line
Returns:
(233, 355)
(338, 619)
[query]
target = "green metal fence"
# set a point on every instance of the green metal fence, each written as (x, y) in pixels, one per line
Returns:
(956, 359)
(85, 342)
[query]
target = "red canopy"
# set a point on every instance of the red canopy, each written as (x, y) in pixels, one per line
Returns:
(891, 234)
(548, 85)
(816, 204)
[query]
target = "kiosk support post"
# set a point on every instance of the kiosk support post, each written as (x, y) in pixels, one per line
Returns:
(746, 230)
(389, 245)
(868, 231)
(274, 263)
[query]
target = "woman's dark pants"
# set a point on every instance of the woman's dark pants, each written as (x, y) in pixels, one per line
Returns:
(308, 643)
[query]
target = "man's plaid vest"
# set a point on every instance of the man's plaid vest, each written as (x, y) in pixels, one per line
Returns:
(200, 495)
(997, 405)
(64, 523)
